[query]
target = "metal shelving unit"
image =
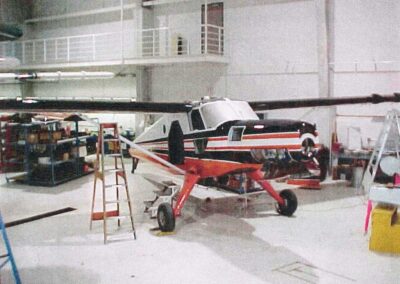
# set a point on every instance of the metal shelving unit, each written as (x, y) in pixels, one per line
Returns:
(47, 158)
(14, 151)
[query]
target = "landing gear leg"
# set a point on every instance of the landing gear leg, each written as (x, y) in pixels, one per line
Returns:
(135, 162)
(287, 201)
(166, 215)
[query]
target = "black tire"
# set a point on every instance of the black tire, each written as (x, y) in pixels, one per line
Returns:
(323, 158)
(323, 168)
(165, 217)
(290, 205)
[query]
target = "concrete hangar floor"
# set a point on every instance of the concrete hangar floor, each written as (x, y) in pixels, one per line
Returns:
(227, 240)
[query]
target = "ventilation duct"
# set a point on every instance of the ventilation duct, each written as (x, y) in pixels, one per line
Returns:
(10, 32)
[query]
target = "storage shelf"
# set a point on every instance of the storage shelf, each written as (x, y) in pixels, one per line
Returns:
(13, 162)
(55, 163)
(54, 170)
(62, 141)
(59, 181)
(66, 140)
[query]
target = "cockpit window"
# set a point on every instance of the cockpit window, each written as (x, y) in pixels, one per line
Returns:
(197, 122)
(236, 133)
(218, 112)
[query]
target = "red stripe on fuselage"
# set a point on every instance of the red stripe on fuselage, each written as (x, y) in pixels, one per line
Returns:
(225, 138)
(245, 148)
(271, 136)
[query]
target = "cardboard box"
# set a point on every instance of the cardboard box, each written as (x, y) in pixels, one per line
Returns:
(44, 136)
(33, 138)
(65, 156)
(82, 151)
(343, 172)
(56, 135)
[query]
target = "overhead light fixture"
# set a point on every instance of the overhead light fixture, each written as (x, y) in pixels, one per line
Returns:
(9, 63)
(81, 75)
(55, 76)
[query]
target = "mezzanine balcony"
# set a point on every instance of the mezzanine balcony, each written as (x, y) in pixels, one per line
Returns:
(146, 47)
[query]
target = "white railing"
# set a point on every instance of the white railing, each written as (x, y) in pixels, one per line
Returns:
(157, 42)
(212, 39)
(83, 48)
(170, 42)
(154, 42)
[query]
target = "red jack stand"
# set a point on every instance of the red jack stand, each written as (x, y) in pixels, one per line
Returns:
(306, 183)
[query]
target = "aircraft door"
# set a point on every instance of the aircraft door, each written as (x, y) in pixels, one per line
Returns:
(176, 147)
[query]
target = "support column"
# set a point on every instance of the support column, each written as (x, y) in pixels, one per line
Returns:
(142, 95)
(27, 89)
(322, 48)
(325, 48)
(205, 26)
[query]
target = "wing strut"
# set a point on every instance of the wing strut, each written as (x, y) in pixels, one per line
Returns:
(153, 156)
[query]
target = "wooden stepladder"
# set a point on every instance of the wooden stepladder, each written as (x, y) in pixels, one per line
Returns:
(8, 256)
(104, 172)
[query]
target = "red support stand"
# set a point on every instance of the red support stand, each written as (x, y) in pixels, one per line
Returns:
(190, 181)
(258, 176)
(305, 183)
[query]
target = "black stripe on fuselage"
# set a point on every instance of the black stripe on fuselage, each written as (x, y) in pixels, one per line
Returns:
(270, 126)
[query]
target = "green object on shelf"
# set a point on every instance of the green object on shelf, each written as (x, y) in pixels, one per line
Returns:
(10, 31)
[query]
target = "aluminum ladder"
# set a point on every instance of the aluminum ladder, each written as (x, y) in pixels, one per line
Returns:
(118, 170)
(9, 255)
(392, 119)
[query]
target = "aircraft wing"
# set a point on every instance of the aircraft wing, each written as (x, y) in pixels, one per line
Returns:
(41, 105)
(299, 103)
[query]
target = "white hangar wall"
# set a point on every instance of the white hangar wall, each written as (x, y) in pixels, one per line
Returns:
(96, 23)
(272, 50)
(271, 47)
(366, 32)
(263, 48)
(61, 23)
(11, 12)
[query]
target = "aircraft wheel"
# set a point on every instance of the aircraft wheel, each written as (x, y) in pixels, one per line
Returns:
(290, 205)
(165, 217)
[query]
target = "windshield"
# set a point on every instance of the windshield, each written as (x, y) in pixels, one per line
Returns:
(218, 112)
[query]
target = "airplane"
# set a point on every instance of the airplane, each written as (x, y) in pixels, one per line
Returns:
(211, 138)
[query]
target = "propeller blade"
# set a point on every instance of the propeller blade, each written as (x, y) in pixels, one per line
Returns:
(39, 105)
(299, 103)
